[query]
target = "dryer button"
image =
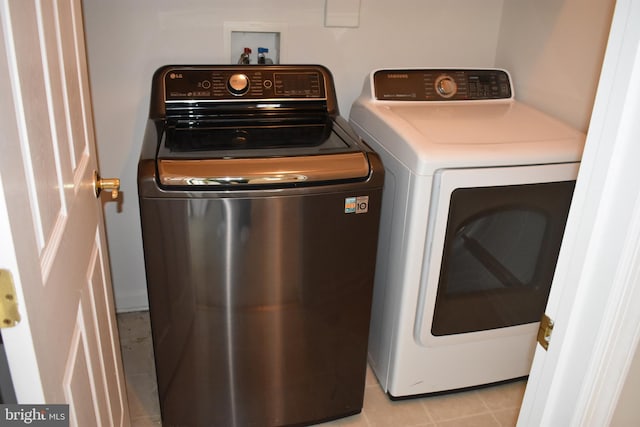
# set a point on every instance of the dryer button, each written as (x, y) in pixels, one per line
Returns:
(446, 86)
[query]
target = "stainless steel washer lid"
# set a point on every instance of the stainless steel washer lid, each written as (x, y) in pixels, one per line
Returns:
(259, 152)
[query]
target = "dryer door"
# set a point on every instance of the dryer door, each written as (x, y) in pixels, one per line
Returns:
(495, 236)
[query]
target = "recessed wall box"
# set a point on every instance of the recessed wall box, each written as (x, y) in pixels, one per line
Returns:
(240, 35)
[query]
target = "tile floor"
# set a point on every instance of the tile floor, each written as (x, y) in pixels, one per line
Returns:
(495, 406)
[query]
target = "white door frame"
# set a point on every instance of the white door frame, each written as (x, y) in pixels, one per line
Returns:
(26, 382)
(596, 291)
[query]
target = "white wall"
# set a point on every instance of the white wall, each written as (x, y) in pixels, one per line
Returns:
(128, 40)
(554, 51)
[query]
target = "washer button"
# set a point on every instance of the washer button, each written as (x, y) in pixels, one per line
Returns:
(238, 84)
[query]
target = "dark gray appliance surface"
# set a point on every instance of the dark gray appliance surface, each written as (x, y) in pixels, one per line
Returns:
(259, 296)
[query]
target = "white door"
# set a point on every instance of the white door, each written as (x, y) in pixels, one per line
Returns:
(66, 347)
(595, 295)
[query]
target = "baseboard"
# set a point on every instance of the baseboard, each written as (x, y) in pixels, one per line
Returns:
(135, 301)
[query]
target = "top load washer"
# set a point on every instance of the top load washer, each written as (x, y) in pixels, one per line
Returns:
(476, 195)
(259, 209)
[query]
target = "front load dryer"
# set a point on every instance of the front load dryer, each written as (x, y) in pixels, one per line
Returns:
(476, 195)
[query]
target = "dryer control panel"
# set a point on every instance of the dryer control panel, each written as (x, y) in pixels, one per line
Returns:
(441, 84)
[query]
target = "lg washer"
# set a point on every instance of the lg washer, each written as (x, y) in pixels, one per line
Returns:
(259, 209)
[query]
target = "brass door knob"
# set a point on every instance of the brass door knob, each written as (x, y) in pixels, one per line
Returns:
(109, 184)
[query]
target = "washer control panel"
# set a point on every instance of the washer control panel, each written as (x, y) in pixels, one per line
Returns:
(441, 84)
(226, 83)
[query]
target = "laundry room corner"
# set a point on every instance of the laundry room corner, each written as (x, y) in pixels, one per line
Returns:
(555, 50)
(127, 41)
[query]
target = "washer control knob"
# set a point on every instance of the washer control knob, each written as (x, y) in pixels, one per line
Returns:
(446, 86)
(238, 84)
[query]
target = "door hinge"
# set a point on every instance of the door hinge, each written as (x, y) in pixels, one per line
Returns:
(9, 315)
(545, 331)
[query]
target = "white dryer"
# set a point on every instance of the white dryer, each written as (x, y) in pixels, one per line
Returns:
(477, 192)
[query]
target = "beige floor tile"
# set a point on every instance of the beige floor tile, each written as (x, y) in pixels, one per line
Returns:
(380, 411)
(142, 394)
(137, 357)
(482, 420)
(503, 396)
(507, 417)
(134, 326)
(455, 405)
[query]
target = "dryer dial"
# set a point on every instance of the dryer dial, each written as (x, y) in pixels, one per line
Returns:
(238, 84)
(446, 86)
